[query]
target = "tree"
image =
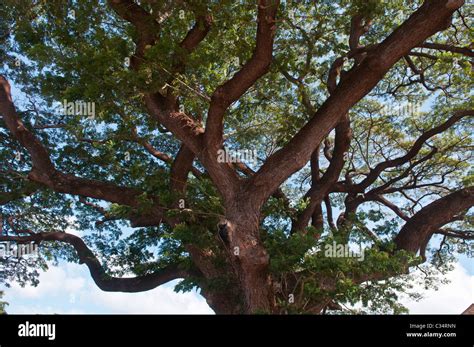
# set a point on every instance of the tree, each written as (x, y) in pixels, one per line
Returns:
(3, 304)
(153, 93)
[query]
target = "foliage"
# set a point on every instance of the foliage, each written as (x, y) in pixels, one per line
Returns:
(77, 50)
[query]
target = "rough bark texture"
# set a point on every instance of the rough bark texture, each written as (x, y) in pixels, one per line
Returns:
(249, 257)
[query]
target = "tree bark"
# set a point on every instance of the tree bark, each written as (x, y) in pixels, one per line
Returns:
(249, 257)
(424, 223)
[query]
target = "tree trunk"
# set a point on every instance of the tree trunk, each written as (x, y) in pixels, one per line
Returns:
(249, 257)
(222, 302)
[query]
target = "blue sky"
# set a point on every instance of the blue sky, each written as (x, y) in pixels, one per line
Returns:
(468, 264)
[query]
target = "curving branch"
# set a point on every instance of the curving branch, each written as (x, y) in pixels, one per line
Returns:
(147, 26)
(418, 229)
(359, 27)
(183, 162)
(449, 48)
(256, 67)
(459, 234)
(414, 150)
(422, 79)
(163, 110)
(391, 206)
(44, 172)
(193, 38)
(101, 278)
(180, 169)
(156, 153)
(39, 154)
(320, 187)
(406, 173)
(324, 185)
(28, 189)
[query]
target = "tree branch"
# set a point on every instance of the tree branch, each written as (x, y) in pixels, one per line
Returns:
(101, 278)
(391, 206)
(44, 172)
(460, 234)
(432, 217)
(449, 48)
(165, 112)
(417, 145)
(30, 188)
(197, 34)
(359, 26)
(180, 169)
(431, 17)
(322, 187)
(256, 67)
(147, 26)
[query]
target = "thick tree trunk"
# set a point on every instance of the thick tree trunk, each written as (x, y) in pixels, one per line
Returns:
(249, 258)
(222, 302)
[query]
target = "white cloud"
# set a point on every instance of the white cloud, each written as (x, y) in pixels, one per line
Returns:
(55, 281)
(160, 300)
(450, 298)
(43, 309)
